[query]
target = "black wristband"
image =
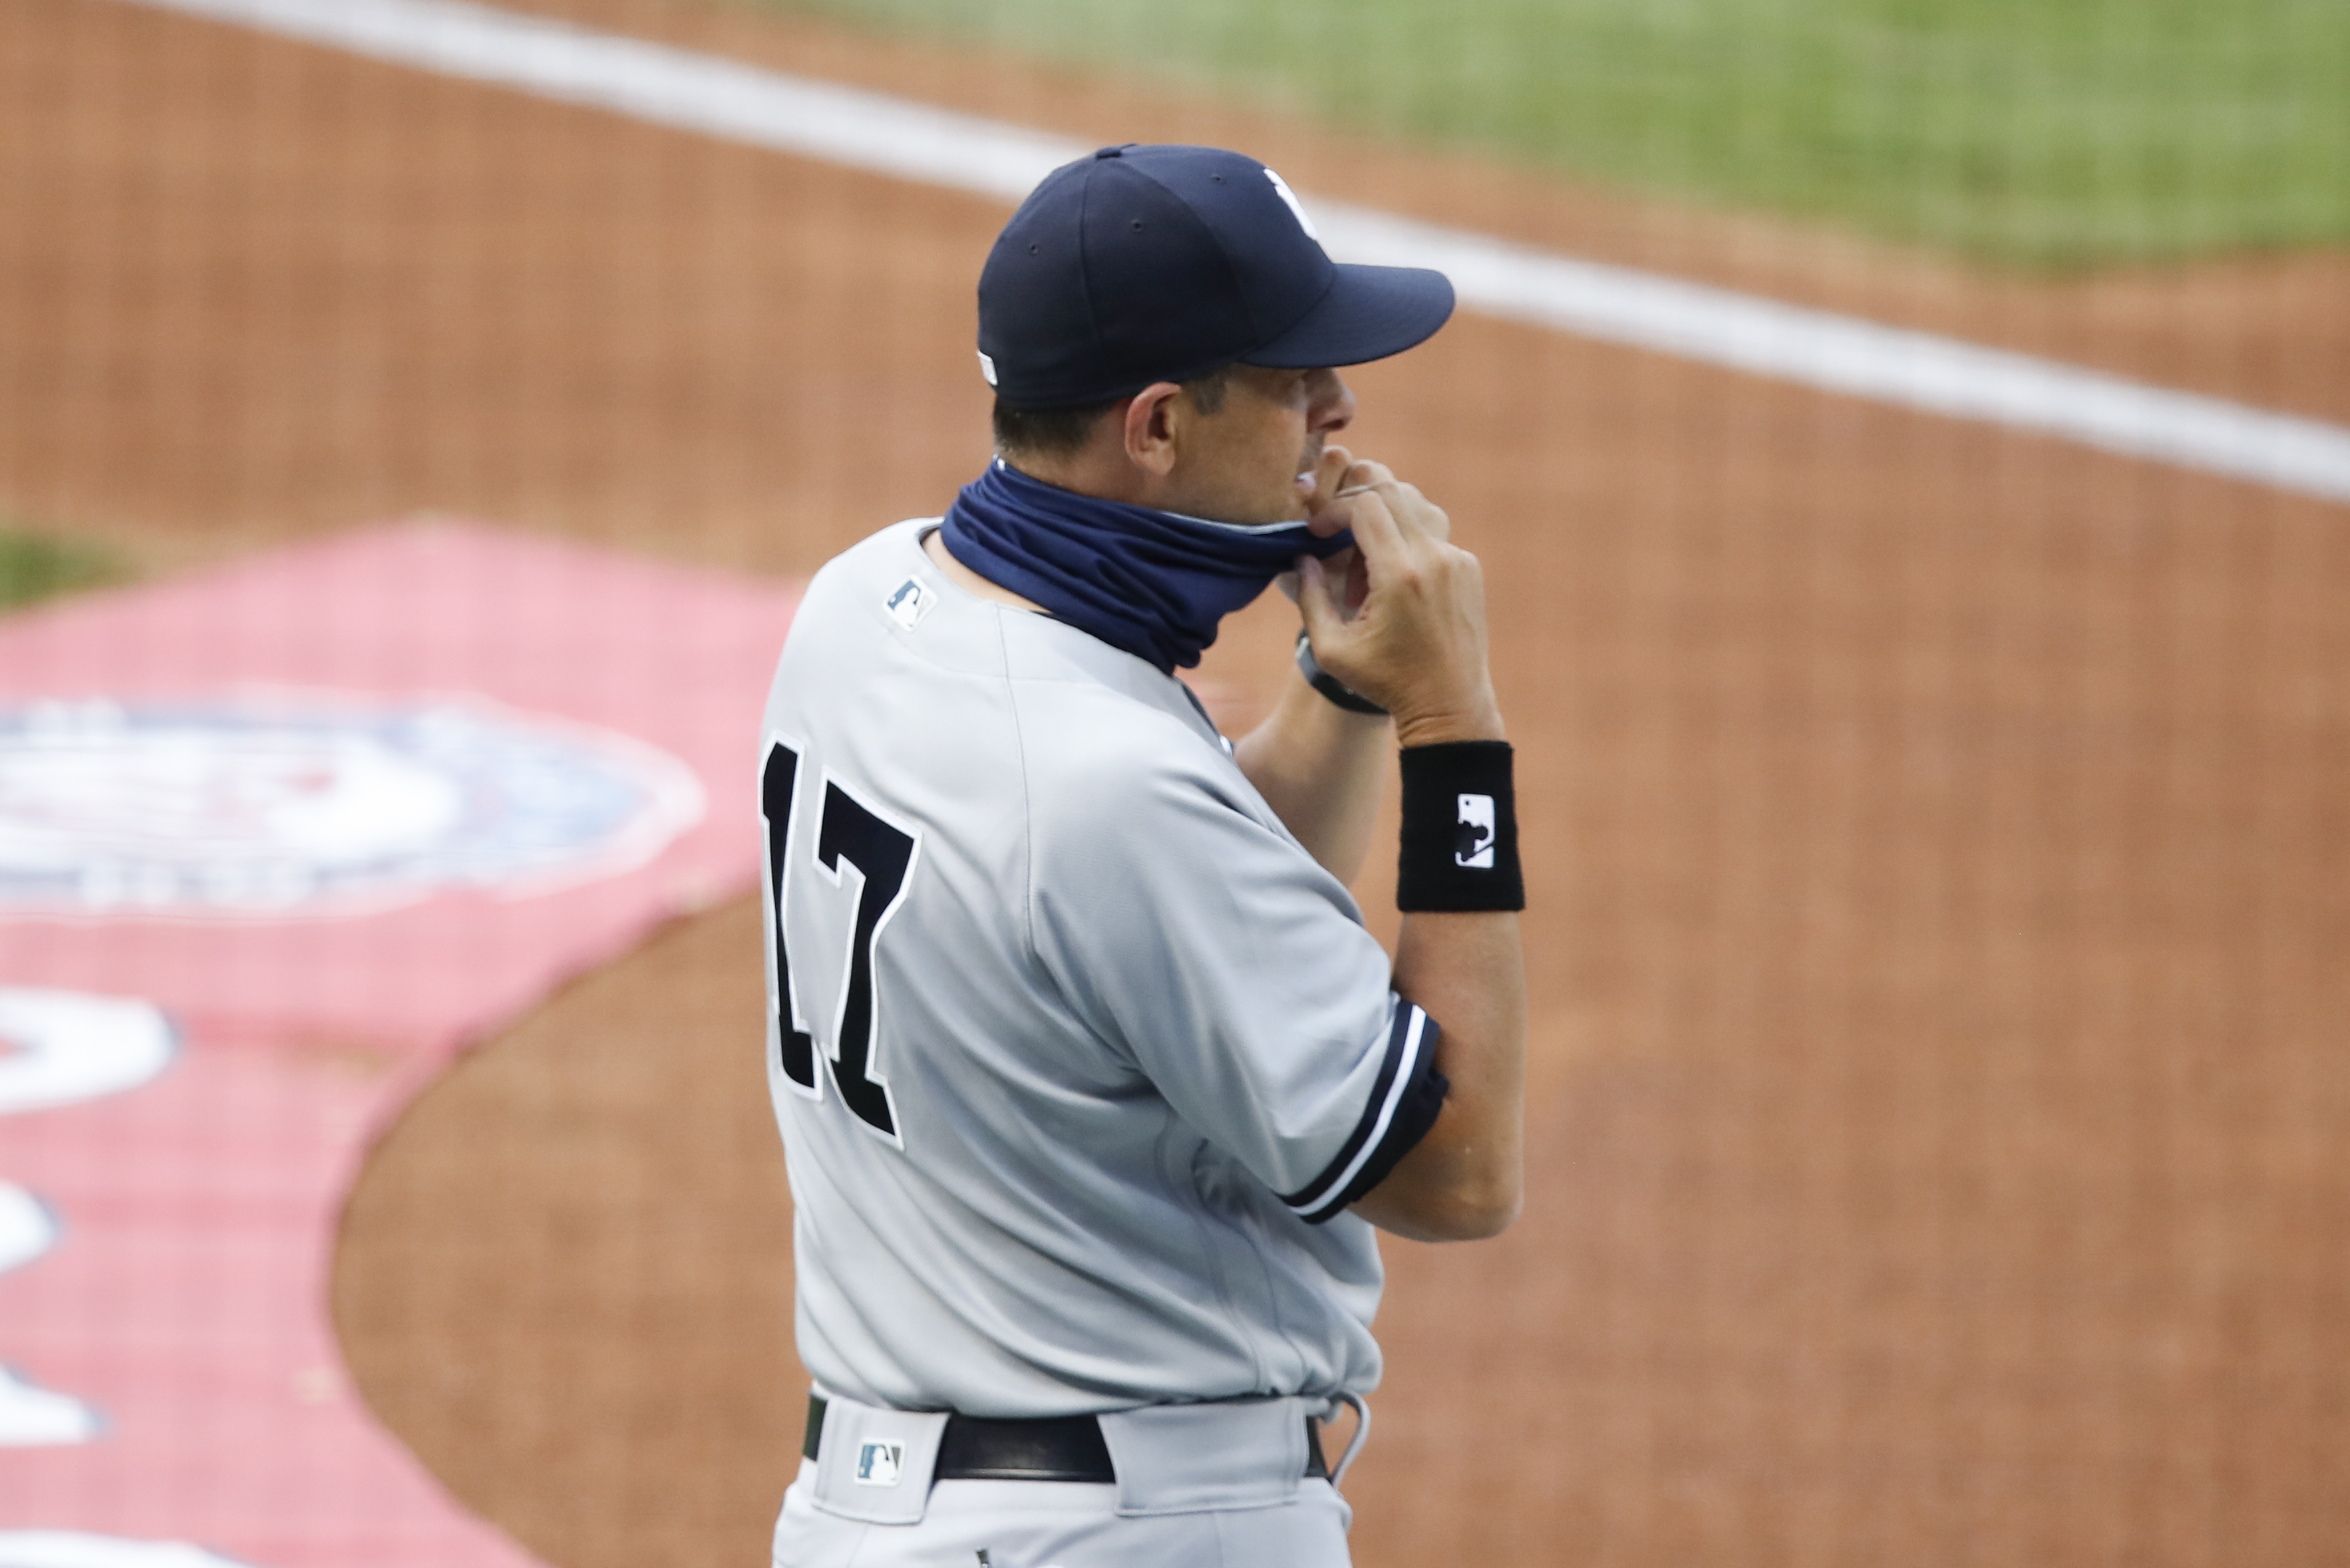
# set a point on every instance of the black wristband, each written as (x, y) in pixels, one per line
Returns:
(1460, 829)
(1329, 685)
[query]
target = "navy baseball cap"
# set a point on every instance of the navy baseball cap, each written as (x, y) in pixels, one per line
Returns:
(1146, 264)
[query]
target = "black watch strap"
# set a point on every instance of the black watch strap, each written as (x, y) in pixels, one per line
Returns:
(1329, 685)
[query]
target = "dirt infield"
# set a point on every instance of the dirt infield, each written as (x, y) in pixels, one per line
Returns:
(1939, 838)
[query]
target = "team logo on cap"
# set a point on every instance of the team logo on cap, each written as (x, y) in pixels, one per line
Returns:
(1281, 188)
(277, 805)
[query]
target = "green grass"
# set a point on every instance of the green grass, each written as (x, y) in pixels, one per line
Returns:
(2044, 133)
(36, 567)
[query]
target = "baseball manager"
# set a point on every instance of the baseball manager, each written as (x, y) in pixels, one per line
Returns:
(1093, 1085)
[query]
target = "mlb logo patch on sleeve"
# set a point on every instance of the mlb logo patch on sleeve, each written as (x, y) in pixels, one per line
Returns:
(1473, 846)
(879, 1464)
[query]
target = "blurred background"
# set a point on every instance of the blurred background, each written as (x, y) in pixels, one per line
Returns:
(1937, 807)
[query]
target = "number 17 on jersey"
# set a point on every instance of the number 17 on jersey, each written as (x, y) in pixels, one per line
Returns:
(849, 834)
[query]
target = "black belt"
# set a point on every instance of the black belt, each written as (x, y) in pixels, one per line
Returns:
(1054, 1448)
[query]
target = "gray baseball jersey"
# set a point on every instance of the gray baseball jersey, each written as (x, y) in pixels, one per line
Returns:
(1078, 1055)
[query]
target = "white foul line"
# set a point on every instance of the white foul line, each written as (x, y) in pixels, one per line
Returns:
(914, 141)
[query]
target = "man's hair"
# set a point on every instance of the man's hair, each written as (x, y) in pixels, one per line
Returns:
(1061, 432)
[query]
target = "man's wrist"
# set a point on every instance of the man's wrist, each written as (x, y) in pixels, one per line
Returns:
(1478, 721)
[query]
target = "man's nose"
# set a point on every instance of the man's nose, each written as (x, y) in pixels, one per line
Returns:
(1333, 402)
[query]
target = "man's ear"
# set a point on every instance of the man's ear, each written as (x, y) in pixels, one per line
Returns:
(1151, 416)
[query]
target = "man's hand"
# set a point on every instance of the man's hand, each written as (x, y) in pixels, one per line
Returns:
(1400, 619)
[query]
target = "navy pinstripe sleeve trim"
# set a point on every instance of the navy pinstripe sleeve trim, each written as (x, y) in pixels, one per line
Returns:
(1404, 1101)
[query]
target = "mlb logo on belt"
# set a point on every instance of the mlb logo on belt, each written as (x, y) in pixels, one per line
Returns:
(879, 1464)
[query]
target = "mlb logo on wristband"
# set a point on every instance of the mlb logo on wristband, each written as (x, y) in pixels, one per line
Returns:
(1460, 840)
(1474, 843)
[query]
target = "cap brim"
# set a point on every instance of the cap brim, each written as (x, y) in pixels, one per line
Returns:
(1369, 313)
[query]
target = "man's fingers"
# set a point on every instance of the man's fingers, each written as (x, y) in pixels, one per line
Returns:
(1323, 513)
(1410, 509)
(1315, 600)
(1376, 534)
(1350, 582)
(1363, 476)
(1394, 525)
(1425, 514)
(1330, 473)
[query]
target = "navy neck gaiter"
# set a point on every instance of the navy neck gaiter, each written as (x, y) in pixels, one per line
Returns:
(1154, 584)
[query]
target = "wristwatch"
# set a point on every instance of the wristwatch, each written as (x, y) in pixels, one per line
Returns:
(1329, 685)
